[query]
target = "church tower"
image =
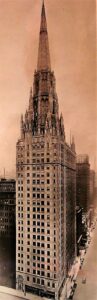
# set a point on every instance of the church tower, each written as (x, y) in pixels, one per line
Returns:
(41, 184)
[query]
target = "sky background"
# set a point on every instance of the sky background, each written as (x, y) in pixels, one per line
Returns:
(72, 41)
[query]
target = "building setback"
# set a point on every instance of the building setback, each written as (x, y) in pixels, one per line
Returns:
(7, 207)
(45, 173)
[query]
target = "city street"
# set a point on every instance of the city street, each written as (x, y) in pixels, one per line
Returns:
(12, 294)
(9, 297)
(88, 290)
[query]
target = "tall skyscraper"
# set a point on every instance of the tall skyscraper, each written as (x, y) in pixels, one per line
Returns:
(42, 160)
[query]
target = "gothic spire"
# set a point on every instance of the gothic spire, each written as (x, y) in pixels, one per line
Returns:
(43, 51)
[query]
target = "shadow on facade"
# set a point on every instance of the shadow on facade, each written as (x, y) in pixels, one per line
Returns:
(7, 262)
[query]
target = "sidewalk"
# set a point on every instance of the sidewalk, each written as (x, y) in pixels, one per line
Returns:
(88, 272)
(19, 294)
(67, 289)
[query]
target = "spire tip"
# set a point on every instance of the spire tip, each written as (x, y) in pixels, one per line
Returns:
(43, 52)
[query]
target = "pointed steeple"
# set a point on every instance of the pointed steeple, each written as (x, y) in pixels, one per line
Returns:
(43, 25)
(73, 144)
(30, 99)
(43, 51)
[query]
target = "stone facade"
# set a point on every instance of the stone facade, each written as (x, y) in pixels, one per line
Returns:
(41, 184)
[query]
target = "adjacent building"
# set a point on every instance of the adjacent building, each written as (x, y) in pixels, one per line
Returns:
(83, 182)
(46, 186)
(92, 188)
(70, 168)
(78, 228)
(7, 207)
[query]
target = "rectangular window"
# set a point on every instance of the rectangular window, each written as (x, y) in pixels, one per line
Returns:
(34, 174)
(38, 181)
(42, 209)
(38, 223)
(28, 270)
(38, 251)
(34, 195)
(42, 160)
(33, 189)
(38, 280)
(34, 223)
(38, 209)
(38, 196)
(34, 243)
(38, 216)
(38, 244)
(33, 161)
(42, 281)
(38, 265)
(48, 283)
(34, 182)
(34, 237)
(42, 259)
(48, 160)
(48, 181)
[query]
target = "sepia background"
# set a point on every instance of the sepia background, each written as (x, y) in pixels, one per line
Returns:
(72, 34)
